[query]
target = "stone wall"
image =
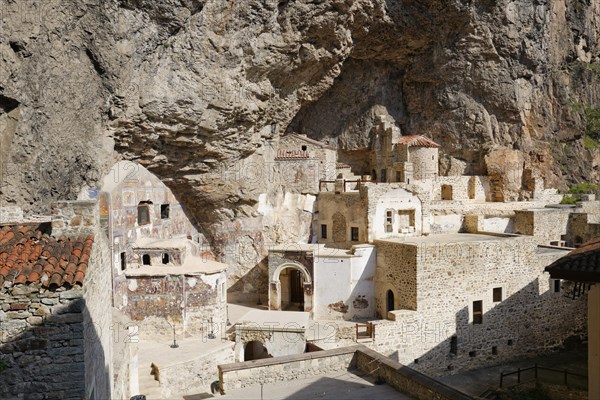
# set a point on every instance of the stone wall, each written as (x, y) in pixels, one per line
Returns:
(318, 363)
(340, 212)
(42, 341)
(396, 271)
(10, 214)
(441, 280)
(582, 228)
(405, 380)
(283, 369)
(97, 318)
(74, 217)
(425, 162)
(461, 188)
(195, 374)
(278, 341)
(124, 351)
(185, 300)
(545, 224)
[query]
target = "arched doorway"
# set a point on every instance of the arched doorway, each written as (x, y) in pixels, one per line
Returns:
(255, 350)
(291, 288)
(389, 302)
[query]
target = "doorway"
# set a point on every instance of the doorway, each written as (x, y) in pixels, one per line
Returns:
(389, 302)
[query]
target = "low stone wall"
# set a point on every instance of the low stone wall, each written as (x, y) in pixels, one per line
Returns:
(287, 368)
(195, 374)
(404, 379)
(318, 363)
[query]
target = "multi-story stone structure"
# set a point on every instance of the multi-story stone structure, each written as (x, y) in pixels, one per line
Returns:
(434, 263)
(163, 271)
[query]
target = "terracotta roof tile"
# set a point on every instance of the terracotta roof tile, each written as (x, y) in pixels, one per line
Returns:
(580, 265)
(27, 255)
(417, 141)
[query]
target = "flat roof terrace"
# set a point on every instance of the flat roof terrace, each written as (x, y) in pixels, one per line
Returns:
(450, 238)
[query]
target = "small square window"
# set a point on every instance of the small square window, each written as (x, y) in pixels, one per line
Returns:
(495, 350)
(354, 234)
(497, 294)
(472, 353)
(164, 211)
(146, 259)
(323, 231)
(478, 312)
(165, 258)
(304, 148)
(510, 342)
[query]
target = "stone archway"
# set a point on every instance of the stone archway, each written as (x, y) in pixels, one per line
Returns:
(340, 231)
(275, 287)
(255, 350)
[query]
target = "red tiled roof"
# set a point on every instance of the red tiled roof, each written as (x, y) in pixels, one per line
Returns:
(291, 155)
(309, 140)
(29, 256)
(580, 265)
(417, 141)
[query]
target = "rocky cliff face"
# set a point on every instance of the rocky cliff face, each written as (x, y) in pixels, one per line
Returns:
(193, 88)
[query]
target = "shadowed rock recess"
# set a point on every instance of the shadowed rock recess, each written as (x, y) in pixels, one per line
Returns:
(193, 90)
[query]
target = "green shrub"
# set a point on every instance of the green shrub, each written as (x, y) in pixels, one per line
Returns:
(589, 143)
(568, 199)
(592, 122)
(584, 188)
(573, 195)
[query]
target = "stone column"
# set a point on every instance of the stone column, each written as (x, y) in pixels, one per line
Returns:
(275, 296)
(594, 342)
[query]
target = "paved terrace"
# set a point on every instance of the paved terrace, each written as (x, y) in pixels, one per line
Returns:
(449, 238)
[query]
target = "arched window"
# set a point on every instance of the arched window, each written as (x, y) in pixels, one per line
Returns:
(144, 212)
(389, 301)
(146, 259)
